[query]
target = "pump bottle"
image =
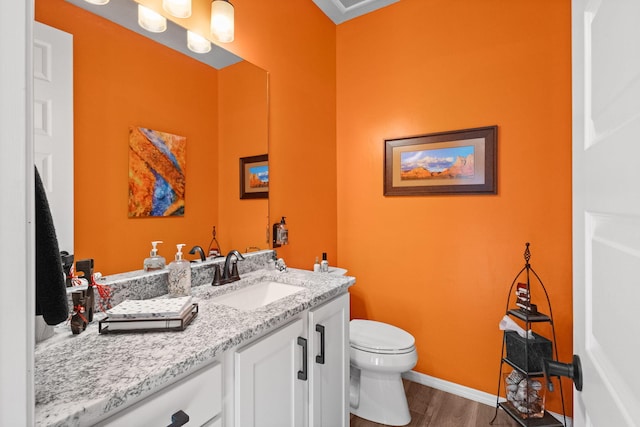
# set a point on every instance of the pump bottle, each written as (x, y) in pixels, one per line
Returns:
(282, 233)
(155, 261)
(179, 275)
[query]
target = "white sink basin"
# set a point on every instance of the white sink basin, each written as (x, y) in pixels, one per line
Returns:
(258, 295)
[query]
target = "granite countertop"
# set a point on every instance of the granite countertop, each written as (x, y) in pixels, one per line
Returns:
(81, 379)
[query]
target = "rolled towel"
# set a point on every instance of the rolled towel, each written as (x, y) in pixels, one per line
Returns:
(51, 290)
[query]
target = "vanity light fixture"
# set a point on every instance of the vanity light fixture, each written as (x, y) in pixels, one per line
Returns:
(98, 2)
(222, 25)
(196, 43)
(150, 20)
(177, 8)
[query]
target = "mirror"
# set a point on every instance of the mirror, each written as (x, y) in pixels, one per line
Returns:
(124, 79)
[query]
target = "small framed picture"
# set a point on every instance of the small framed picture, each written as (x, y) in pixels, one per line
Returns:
(254, 177)
(454, 162)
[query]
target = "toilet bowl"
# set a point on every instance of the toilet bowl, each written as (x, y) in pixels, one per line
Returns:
(379, 353)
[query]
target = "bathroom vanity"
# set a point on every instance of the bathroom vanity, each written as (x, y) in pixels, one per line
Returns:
(286, 362)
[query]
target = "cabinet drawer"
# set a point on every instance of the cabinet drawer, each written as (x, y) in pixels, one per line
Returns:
(199, 396)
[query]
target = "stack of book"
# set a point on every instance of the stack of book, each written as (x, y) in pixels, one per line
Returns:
(167, 314)
(523, 299)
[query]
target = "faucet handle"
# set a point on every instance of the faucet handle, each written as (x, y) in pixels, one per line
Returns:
(216, 276)
(234, 270)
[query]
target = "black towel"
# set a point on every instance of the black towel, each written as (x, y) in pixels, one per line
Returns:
(51, 290)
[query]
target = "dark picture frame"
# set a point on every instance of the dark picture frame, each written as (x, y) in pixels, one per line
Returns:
(453, 162)
(254, 177)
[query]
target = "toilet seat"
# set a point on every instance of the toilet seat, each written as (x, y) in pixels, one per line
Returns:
(380, 338)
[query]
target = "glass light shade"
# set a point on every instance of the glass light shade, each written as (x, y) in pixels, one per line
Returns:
(222, 26)
(198, 44)
(98, 2)
(150, 20)
(177, 8)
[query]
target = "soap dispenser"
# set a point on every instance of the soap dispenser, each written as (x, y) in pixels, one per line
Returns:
(179, 275)
(280, 234)
(155, 261)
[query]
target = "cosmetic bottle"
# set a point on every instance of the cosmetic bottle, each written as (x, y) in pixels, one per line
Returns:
(179, 275)
(324, 265)
(316, 266)
(155, 261)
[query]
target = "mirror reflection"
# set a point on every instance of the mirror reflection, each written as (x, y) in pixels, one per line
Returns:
(123, 79)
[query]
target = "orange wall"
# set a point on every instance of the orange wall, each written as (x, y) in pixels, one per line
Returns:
(116, 87)
(441, 266)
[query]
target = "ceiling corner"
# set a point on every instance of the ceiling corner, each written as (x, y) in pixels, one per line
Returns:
(340, 11)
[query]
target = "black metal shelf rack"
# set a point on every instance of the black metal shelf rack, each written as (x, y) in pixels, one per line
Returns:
(529, 317)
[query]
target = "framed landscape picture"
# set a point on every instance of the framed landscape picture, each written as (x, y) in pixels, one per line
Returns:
(254, 177)
(454, 162)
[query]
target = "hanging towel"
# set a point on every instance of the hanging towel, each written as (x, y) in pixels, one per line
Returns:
(51, 290)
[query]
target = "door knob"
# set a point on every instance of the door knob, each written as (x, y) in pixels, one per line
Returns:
(571, 370)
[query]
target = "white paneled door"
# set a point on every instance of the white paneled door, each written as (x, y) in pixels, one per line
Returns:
(53, 124)
(606, 213)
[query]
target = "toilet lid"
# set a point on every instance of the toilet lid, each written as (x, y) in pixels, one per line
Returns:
(379, 337)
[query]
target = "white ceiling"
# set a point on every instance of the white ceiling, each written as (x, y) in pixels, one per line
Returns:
(343, 10)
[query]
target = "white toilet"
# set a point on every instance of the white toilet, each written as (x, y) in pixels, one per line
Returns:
(379, 354)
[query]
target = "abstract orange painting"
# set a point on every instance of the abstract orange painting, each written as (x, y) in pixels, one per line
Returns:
(157, 164)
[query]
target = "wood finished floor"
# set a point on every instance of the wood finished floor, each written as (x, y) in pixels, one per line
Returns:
(435, 408)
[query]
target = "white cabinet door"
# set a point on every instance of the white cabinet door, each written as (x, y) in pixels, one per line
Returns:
(270, 379)
(329, 358)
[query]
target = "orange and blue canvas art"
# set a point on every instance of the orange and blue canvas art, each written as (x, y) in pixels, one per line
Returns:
(157, 165)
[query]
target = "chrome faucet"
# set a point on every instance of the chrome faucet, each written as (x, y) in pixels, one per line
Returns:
(229, 271)
(199, 250)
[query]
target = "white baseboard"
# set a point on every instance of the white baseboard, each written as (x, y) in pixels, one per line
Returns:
(462, 391)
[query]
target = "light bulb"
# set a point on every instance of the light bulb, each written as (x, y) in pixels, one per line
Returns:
(98, 2)
(196, 43)
(177, 8)
(222, 26)
(150, 20)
